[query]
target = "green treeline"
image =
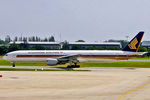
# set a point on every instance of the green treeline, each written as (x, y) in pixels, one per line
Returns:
(5, 47)
(30, 39)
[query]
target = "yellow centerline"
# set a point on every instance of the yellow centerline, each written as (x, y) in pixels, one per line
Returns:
(136, 89)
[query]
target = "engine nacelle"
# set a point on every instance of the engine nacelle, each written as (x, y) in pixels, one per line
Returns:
(51, 61)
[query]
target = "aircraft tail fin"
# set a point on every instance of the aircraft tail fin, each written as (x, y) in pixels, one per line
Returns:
(134, 44)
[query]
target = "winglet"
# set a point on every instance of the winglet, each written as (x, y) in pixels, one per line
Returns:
(134, 44)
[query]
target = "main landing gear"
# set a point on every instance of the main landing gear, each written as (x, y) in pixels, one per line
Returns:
(73, 66)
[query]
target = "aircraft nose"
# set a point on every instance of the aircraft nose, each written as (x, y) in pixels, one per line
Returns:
(5, 57)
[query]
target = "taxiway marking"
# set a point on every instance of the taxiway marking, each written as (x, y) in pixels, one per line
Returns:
(130, 92)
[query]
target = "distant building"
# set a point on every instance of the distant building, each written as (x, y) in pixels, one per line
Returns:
(95, 44)
(58, 45)
(146, 44)
(51, 45)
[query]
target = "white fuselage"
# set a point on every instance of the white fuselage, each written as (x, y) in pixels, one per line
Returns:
(85, 55)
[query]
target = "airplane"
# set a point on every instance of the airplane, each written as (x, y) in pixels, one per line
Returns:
(73, 57)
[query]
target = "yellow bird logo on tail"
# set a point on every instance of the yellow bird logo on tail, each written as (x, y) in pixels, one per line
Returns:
(133, 44)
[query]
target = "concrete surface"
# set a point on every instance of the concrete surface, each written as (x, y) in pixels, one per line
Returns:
(103, 84)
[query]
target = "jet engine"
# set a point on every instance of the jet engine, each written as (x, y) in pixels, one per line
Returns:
(51, 61)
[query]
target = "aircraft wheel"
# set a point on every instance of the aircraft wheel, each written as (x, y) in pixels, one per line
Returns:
(69, 66)
(77, 66)
(73, 66)
(13, 65)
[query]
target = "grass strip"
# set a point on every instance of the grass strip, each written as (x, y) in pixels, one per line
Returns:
(126, 64)
(142, 58)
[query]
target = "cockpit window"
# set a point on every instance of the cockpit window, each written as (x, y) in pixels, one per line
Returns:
(6, 55)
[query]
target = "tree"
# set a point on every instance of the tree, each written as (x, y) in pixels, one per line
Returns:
(76, 47)
(16, 39)
(25, 39)
(45, 40)
(38, 47)
(90, 48)
(123, 42)
(51, 39)
(20, 38)
(33, 39)
(36, 39)
(7, 39)
(29, 39)
(65, 45)
(101, 48)
(2, 42)
(24, 46)
(80, 41)
(143, 49)
(3, 50)
(148, 54)
(112, 48)
(13, 47)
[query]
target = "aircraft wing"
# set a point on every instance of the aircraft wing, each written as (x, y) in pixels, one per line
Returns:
(69, 57)
(63, 60)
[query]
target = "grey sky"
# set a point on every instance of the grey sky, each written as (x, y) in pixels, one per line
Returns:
(90, 20)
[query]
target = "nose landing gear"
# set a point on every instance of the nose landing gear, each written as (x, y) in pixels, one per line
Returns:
(13, 64)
